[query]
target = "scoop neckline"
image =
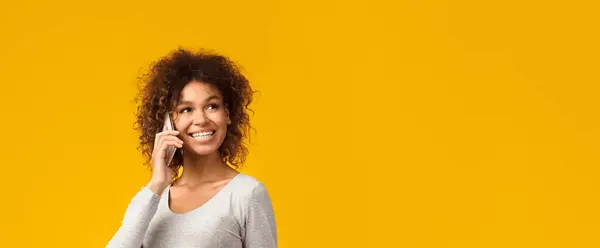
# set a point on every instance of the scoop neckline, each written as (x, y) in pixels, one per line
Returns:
(226, 187)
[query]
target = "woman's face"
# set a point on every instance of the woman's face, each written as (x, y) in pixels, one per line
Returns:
(201, 118)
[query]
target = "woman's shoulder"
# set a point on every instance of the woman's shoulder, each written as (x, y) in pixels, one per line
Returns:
(250, 194)
(246, 186)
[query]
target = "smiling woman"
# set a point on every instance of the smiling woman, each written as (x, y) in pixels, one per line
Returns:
(162, 90)
(210, 204)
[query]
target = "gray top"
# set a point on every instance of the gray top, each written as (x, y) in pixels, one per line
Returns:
(239, 216)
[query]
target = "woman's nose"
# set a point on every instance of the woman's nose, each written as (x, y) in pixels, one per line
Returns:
(200, 119)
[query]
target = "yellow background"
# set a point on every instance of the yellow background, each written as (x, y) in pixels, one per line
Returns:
(379, 124)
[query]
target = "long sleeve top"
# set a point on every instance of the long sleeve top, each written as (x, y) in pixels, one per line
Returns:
(240, 215)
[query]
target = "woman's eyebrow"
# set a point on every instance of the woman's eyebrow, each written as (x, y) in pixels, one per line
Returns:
(212, 97)
(206, 100)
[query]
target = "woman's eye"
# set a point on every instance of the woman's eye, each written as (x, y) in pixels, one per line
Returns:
(212, 106)
(184, 110)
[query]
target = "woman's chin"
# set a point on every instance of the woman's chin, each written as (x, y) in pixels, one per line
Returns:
(203, 150)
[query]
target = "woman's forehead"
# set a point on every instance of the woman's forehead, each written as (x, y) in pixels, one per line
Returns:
(196, 92)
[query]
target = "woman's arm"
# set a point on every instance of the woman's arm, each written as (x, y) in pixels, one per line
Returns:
(133, 228)
(261, 231)
(144, 205)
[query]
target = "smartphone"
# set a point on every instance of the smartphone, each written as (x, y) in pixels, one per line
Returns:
(171, 149)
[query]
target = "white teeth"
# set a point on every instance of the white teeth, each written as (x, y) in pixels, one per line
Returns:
(203, 134)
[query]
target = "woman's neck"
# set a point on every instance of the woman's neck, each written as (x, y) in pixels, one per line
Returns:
(198, 169)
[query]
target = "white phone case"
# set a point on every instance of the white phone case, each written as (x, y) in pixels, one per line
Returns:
(171, 149)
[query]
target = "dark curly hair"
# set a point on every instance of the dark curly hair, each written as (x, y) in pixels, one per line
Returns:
(160, 89)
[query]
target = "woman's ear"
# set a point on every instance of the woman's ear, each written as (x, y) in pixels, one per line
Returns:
(227, 114)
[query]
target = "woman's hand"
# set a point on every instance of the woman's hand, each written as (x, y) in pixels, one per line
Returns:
(161, 173)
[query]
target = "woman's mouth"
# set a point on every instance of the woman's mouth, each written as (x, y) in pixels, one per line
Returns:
(202, 135)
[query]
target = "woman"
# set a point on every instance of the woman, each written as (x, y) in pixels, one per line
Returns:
(211, 204)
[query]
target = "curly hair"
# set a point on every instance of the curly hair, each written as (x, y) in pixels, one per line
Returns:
(160, 89)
